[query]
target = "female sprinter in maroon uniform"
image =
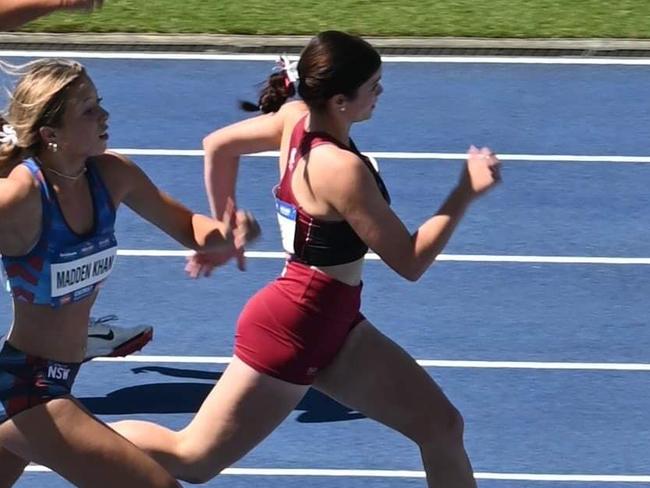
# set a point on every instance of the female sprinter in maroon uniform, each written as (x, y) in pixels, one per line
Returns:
(305, 328)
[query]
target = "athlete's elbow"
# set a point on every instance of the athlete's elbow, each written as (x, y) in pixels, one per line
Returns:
(414, 276)
(209, 145)
(410, 272)
(213, 143)
(211, 140)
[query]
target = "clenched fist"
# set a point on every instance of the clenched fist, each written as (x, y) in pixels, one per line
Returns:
(481, 172)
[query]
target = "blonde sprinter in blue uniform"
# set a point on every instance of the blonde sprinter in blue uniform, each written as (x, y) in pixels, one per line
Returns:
(59, 191)
(105, 337)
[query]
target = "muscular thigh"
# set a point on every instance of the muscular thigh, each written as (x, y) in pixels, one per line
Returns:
(63, 436)
(243, 408)
(376, 377)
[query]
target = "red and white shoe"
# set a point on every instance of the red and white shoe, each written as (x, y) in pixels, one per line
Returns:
(108, 340)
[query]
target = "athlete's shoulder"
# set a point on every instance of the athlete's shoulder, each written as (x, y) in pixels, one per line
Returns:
(292, 112)
(295, 107)
(112, 165)
(337, 157)
(335, 167)
(18, 185)
(118, 173)
(20, 202)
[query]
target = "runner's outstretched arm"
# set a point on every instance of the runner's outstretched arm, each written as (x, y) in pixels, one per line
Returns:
(14, 13)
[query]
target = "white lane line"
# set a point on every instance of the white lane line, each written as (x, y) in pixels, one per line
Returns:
(171, 56)
(385, 473)
(478, 258)
(469, 258)
(547, 158)
(426, 363)
(430, 363)
(568, 60)
(138, 55)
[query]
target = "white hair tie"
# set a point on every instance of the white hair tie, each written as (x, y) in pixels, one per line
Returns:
(290, 68)
(8, 135)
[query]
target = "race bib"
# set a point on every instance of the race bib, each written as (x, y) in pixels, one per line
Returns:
(287, 215)
(74, 275)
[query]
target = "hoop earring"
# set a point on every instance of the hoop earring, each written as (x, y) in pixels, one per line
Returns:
(53, 146)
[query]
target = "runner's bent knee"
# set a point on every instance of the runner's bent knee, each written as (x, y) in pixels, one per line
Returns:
(429, 428)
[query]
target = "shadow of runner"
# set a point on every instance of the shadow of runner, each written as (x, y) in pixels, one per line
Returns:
(187, 398)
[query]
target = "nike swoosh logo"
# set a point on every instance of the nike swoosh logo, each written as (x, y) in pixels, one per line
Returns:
(108, 336)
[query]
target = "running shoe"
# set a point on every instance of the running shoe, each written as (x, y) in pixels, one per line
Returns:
(105, 339)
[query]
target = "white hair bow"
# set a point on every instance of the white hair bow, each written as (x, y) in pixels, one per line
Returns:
(8, 135)
(290, 67)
